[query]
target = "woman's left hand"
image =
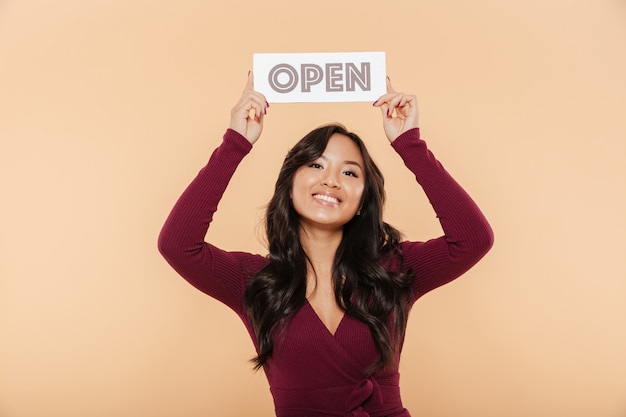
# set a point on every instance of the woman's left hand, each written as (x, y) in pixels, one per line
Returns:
(399, 110)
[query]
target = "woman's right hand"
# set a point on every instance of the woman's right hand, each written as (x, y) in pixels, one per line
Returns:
(246, 118)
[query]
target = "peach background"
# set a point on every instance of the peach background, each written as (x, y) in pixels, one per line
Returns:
(109, 108)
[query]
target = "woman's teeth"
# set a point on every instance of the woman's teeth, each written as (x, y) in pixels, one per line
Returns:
(326, 198)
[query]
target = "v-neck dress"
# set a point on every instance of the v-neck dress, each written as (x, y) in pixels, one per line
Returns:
(312, 372)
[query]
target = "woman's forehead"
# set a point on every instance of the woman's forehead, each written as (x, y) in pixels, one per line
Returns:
(341, 147)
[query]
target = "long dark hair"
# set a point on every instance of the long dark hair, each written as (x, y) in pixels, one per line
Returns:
(363, 287)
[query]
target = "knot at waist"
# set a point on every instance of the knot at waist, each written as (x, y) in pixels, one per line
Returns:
(359, 395)
(371, 397)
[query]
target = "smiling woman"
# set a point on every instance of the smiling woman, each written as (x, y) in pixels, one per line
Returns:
(327, 192)
(327, 309)
(108, 106)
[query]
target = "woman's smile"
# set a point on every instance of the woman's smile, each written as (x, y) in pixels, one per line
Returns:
(326, 198)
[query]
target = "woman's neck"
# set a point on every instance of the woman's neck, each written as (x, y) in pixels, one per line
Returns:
(320, 247)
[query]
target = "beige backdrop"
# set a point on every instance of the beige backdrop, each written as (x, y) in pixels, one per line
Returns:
(108, 108)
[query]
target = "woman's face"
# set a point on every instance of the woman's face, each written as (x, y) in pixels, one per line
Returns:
(327, 192)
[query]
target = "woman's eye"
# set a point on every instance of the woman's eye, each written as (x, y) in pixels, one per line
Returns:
(314, 165)
(351, 174)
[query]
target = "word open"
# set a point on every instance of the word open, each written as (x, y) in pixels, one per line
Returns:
(284, 78)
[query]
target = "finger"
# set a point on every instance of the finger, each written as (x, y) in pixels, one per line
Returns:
(250, 87)
(249, 90)
(384, 109)
(255, 108)
(248, 110)
(407, 100)
(246, 103)
(249, 82)
(257, 97)
(387, 110)
(252, 99)
(395, 101)
(408, 104)
(385, 98)
(260, 102)
(389, 86)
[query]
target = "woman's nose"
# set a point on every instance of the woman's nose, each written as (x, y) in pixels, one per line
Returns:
(330, 180)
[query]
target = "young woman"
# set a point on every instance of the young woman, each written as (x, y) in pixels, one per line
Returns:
(327, 308)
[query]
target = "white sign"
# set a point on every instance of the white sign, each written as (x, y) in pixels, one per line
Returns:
(320, 77)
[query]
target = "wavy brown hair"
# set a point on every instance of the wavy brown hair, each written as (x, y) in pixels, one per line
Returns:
(363, 287)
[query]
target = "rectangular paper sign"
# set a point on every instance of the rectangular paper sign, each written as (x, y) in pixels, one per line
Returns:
(320, 77)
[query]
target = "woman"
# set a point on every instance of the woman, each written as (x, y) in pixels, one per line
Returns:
(327, 308)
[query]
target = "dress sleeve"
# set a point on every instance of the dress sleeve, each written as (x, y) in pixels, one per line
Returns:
(467, 234)
(218, 273)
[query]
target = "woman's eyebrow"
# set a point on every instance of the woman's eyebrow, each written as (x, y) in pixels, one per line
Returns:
(353, 163)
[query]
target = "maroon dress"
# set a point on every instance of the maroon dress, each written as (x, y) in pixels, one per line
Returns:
(313, 373)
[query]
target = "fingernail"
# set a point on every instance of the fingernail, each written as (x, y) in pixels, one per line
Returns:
(374, 103)
(388, 112)
(267, 104)
(388, 79)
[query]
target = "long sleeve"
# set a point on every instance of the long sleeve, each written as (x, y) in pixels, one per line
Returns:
(467, 234)
(219, 273)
